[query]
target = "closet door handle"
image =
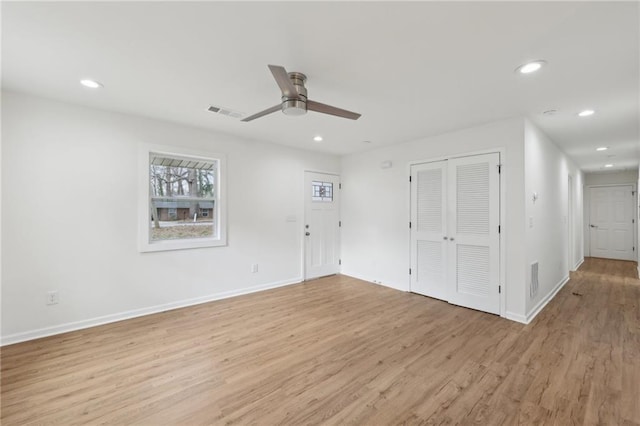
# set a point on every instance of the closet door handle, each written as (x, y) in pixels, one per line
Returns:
(451, 239)
(444, 238)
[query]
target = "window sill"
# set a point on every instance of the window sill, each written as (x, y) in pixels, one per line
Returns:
(182, 244)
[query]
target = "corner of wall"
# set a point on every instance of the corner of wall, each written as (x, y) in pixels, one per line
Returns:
(553, 226)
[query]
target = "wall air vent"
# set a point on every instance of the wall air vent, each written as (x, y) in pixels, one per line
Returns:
(533, 289)
(225, 111)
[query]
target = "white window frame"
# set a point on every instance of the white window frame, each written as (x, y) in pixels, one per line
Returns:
(144, 193)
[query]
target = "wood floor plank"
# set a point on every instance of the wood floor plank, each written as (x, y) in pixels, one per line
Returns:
(341, 351)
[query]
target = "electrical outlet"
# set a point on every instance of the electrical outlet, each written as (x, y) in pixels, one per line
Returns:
(53, 297)
(254, 268)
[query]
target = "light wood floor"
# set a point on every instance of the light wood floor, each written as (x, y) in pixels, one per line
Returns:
(619, 268)
(336, 351)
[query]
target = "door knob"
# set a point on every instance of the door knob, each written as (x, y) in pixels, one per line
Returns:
(444, 238)
(451, 239)
(593, 226)
(307, 233)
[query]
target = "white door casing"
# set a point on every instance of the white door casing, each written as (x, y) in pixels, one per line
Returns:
(569, 221)
(321, 224)
(455, 236)
(428, 229)
(611, 222)
(473, 228)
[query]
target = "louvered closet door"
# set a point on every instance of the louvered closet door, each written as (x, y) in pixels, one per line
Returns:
(428, 227)
(473, 252)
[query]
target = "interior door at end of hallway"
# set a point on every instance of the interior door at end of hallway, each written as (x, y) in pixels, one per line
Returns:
(611, 215)
(321, 226)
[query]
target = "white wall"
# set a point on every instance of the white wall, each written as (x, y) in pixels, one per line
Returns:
(627, 177)
(613, 178)
(547, 170)
(69, 198)
(375, 205)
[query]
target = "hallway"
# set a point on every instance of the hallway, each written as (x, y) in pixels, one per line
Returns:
(617, 268)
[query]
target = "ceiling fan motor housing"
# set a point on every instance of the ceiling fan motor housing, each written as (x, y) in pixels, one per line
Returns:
(298, 105)
(294, 100)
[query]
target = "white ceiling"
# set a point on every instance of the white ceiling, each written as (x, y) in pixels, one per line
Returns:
(411, 69)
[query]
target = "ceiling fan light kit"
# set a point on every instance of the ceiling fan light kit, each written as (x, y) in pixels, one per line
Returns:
(294, 99)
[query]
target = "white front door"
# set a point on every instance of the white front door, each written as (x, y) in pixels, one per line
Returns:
(611, 222)
(474, 238)
(321, 226)
(428, 229)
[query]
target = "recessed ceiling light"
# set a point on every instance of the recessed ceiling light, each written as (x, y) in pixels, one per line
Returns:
(92, 84)
(530, 67)
(317, 138)
(608, 165)
(586, 113)
(602, 148)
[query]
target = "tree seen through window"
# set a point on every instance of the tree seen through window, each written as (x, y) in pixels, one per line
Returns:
(182, 197)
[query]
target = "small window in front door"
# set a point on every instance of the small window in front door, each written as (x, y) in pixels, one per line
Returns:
(321, 191)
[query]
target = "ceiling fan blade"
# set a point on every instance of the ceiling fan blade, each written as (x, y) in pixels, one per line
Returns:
(283, 80)
(328, 109)
(263, 113)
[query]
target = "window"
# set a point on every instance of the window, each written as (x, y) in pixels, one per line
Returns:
(321, 191)
(183, 204)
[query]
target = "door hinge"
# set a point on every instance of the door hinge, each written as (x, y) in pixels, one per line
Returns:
(498, 229)
(499, 168)
(340, 186)
(339, 261)
(409, 271)
(409, 225)
(499, 289)
(633, 192)
(633, 221)
(409, 178)
(339, 224)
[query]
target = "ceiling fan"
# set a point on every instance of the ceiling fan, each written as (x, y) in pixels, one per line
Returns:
(294, 97)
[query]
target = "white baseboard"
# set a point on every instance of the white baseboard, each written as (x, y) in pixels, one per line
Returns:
(106, 319)
(577, 265)
(542, 303)
(369, 280)
(516, 317)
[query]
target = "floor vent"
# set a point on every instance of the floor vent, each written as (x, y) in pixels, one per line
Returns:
(533, 289)
(225, 111)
